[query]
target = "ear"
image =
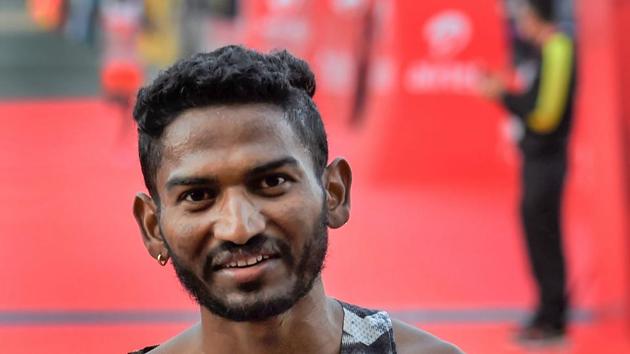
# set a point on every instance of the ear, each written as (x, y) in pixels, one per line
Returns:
(337, 180)
(145, 212)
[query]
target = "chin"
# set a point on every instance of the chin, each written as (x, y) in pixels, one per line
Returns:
(253, 310)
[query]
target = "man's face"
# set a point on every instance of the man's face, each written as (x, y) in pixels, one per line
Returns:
(242, 212)
(527, 22)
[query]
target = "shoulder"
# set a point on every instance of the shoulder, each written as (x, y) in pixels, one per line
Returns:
(182, 343)
(559, 43)
(410, 339)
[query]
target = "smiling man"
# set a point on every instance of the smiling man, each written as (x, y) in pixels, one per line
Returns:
(234, 155)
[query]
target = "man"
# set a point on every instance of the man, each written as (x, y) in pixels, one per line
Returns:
(234, 153)
(546, 111)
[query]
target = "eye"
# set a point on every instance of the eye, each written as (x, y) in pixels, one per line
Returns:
(198, 195)
(272, 181)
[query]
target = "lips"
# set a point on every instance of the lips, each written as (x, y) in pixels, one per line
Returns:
(241, 260)
(261, 257)
(245, 269)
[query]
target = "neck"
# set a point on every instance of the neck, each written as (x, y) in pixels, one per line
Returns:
(544, 34)
(313, 325)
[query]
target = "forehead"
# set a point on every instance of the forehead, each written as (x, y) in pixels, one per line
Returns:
(524, 11)
(231, 135)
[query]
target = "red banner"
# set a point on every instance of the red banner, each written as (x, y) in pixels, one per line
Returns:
(437, 127)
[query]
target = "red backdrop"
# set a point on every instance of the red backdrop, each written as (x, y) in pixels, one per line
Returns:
(425, 126)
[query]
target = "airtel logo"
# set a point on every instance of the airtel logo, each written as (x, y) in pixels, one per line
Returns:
(447, 33)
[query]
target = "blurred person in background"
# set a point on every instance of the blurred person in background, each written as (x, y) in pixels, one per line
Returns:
(235, 158)
(48, 14)
(82, 22)
(193, 15)
(122, 72)
(545, 109)
(158, 39)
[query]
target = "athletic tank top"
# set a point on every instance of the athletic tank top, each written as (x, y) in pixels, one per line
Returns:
(364, 332)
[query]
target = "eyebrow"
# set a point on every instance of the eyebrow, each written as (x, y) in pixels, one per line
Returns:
(258, 170)
(189, 181)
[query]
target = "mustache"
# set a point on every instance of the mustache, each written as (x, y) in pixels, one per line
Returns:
(257, 245)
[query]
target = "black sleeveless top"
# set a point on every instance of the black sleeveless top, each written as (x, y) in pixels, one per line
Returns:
(364, 332)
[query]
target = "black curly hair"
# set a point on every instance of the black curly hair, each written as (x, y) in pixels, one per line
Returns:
(543, 8)
(229, 75)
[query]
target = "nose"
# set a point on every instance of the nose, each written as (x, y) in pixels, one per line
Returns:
(238, 219)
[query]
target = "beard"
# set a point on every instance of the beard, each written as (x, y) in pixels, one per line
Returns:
(304, 274)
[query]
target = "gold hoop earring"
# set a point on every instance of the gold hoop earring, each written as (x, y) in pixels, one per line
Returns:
(162, 259)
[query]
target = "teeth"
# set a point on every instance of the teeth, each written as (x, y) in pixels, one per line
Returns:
(247, 262)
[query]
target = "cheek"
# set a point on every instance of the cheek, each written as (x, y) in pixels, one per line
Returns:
(296, 216)
(184, 234)
(529, 27)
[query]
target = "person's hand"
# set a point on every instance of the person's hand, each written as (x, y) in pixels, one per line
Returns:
(491, 85)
